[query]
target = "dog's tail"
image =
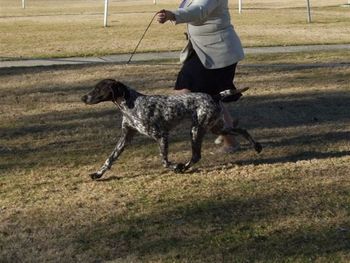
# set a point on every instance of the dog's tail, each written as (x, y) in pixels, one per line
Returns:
(225, 95)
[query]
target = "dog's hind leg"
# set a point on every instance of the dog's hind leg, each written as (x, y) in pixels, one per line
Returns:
(238, 131)
(125, 137)
(163, 148)
(197, 135)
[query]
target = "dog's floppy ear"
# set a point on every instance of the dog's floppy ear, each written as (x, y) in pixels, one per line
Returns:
(122, 91)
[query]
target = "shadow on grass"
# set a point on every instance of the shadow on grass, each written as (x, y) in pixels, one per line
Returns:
(282, 111)
(245, 226)
(228, 230)
(70, 130)
(302, 156)
(257, 112)
(45, 136)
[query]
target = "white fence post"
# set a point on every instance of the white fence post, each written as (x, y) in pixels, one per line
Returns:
(308, 11)
(155, 2)
(23, 4)
(240, 6)
(105, 22)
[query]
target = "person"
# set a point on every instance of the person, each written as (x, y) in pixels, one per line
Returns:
(211, 55)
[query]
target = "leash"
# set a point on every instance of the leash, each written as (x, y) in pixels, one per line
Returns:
(144, 33)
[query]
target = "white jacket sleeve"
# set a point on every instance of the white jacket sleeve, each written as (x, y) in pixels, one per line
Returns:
(198, 11)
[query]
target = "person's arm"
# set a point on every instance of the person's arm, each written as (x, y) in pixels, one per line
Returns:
(197, 11)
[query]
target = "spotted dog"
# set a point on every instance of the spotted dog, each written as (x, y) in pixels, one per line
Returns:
(155, 116)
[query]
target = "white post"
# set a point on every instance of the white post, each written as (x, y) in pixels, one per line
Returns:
(308, 11)
(23, 4)
(240, 6)
(106, 13)
(155, 2)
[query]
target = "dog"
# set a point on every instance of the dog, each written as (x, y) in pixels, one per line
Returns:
(154, 116)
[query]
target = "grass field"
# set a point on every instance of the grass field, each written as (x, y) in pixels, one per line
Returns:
(291, 203)
(75, 28)
(288, 204)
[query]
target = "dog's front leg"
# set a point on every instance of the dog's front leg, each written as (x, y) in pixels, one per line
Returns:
(197, 134)
(125, 137)
(163, 149)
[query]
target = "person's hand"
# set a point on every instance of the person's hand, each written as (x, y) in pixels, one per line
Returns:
(165, 15)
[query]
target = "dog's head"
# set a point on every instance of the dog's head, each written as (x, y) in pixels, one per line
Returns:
(106, 90)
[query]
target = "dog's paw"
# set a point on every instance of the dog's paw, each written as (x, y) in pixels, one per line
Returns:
(95, 176)
(179, 168)
(258, 148)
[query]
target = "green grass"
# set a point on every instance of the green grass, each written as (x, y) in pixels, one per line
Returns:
(288, 204)
(48, 29)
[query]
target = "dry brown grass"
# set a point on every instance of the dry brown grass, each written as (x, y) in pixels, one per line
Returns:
(289, 204)
(74, 28)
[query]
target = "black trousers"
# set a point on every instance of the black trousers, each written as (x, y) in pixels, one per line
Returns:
(196, 78)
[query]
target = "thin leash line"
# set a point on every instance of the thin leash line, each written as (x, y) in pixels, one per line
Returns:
(144, 33)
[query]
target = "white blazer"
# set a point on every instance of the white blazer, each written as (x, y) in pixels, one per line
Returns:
(211, 32)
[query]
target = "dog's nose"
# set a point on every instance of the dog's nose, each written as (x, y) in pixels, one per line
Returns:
(84, 98)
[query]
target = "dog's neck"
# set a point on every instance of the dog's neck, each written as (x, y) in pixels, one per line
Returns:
(128, 103)
(120, 103)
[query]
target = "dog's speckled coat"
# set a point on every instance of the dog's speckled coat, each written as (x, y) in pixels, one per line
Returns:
(155, 116)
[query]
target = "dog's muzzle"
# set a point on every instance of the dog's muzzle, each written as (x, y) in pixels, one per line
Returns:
(86, 99)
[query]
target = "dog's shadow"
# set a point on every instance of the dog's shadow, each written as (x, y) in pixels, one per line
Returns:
(110, 178)
(163, 172)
